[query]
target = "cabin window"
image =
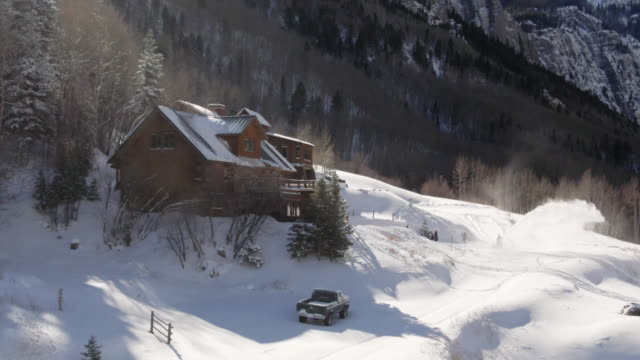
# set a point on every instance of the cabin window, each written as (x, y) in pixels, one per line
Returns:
(284, 150)
(250, 145)
(228, 172)
(293, 209)
(298, 152)
(163, 141)
(199, 171)
(307, 154)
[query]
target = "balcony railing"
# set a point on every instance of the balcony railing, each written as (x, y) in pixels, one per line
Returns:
(291, 184)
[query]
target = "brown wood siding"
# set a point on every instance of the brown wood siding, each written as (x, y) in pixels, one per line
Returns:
(144, 171)
(278, 143)
(237, 142)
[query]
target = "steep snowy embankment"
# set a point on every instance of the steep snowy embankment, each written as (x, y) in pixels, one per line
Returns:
(514, 287)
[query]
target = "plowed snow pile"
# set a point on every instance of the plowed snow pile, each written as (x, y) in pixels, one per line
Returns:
(496, 286)
(556, 225)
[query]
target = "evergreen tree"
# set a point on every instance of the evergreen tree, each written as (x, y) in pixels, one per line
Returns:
(92, 350)
(92, 191)
(426, 231)
(40, 192)
(298, 101)
(148, 93)
(337, 230)
(32, 81)
(328, 233)
(300, 243)
(337, 102)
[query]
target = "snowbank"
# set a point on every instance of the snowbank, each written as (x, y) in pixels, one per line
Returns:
(412, 298)
(555, 225)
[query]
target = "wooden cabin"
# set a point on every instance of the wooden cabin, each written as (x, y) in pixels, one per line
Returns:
(197, 157)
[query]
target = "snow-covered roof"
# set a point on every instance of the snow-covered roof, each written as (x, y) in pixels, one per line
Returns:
(236, 124)
(203, 131)
(289, 138)
(190, 107)
(261, 119)
(274, 158)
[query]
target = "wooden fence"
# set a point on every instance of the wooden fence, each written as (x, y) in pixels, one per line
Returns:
(160, 325)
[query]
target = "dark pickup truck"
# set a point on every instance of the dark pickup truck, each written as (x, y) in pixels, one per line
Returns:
(323, 305)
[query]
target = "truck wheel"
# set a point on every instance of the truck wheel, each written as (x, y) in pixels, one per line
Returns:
(328, 321)
(344, 313)
(302, 319)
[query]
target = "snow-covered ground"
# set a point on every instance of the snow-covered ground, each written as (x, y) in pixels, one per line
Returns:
(537, 286)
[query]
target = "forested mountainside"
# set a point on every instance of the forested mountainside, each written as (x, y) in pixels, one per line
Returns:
(434, 89)
(412, 92)
(597, 48)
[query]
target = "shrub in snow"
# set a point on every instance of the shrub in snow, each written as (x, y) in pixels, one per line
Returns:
(92, 350)
(242, 236)
(251, 253)
(426, 231)
(631, 309)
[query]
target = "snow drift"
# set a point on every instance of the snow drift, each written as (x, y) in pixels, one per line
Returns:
(555, 225)
(553, 291)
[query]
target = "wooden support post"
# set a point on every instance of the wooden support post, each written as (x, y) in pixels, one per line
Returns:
(152, 315)
(169, 334)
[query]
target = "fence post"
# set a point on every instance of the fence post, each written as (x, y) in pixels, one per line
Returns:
(60, 299)
(169, 334)
(152, 314)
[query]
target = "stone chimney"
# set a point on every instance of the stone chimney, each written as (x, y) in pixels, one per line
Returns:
(219, 109)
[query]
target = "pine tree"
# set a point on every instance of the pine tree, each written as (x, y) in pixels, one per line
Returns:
(300, 243)
(92, 351)
(32, 81)
(337, 102)
(425, 230)
(40, 192)
(298, 101)
(92, 192)
(328, 233)
(337, 230)
(148, 93)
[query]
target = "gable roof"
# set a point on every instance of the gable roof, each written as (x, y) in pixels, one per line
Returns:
(261, 119)
(203, 131)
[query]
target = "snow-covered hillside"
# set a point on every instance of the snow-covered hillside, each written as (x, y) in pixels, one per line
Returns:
(514, 287)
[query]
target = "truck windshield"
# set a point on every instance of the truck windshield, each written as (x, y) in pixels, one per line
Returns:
(324, 296)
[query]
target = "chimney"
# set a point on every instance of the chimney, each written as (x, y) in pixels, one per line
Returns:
(217, 108)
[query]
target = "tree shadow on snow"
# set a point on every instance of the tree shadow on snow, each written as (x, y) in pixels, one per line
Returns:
(267, 315)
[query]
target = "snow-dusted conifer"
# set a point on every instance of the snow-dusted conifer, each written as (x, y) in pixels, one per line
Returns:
(92, 350)
(148, 93)
(425, 230)
(251, 253)
(300, 243)
(32, 81)
(328, 233)
(338, 229)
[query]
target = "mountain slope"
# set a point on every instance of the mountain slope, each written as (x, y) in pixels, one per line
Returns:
(523, 287)
(436, 88)
(601, 61)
